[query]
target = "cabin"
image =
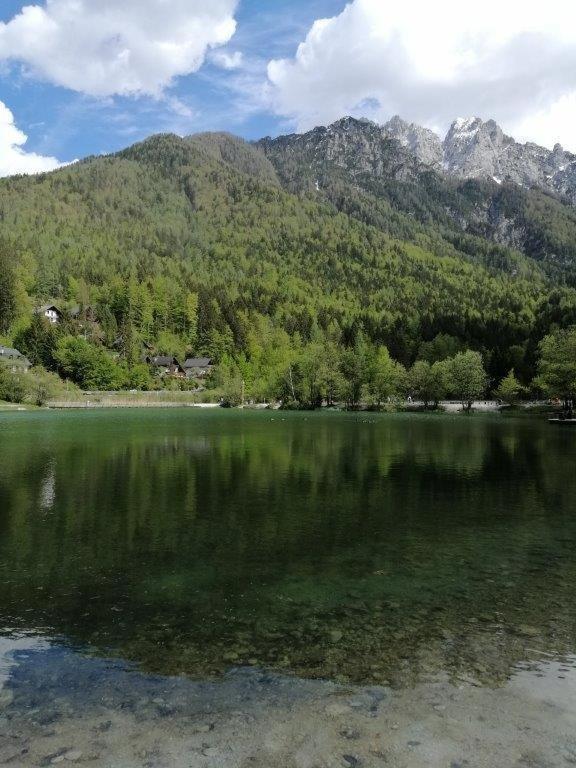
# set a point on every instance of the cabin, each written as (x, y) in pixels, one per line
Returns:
(14, 360)
(198, 367)
(165, 365)
(50, 312)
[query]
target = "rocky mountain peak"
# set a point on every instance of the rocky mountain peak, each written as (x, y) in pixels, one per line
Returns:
(351, 123)
(472, 148)
(422, 142)
(477, 149)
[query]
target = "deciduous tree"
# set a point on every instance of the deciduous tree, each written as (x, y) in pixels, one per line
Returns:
(557, 366)
(467, 377)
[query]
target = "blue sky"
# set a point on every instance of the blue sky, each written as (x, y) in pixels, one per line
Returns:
(63, 123)
(81, 77)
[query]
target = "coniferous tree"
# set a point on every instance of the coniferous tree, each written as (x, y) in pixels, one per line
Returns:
(7, 289)
(510, 389)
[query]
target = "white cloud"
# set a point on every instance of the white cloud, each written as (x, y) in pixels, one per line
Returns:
(542, 126)
(228, 60)
(126, 47)
(13, 158)
(431, 62)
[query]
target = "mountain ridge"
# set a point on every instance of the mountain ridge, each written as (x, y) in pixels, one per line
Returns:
(360, 168)
(473, 148)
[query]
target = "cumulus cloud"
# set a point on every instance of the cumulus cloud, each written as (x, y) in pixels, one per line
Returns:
(13, 158)
(109, 47)
(431, 62)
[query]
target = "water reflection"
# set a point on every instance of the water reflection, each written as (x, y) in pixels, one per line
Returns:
(386, 549)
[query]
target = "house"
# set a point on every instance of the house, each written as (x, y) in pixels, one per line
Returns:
(14, 360)
(166, 365)
(198, 367)
(50, 312)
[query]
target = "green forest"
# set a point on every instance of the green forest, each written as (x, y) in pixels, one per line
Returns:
(203, 247)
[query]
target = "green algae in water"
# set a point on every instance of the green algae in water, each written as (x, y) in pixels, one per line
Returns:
(383, 549)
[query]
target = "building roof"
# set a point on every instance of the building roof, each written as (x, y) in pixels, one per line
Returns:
(46, 307)
(7, 353)
(163, 361)
(198, 362)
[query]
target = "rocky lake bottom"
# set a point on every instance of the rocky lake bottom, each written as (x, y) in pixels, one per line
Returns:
(60, 708)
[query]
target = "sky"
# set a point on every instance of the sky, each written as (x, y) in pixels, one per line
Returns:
(86, 77)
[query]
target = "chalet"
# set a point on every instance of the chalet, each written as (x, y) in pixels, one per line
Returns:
(14, 360)
(198, 367)
(50, 312)
(165, 365)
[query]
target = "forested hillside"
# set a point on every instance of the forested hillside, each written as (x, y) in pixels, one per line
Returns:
(370, 176)
(206, 246)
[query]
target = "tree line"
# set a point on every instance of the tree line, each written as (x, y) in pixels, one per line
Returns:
(308, 376)
(366, 375)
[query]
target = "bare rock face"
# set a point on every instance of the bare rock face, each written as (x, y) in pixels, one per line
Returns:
(477, 149)
(422, 142)
(359, 147)
(564, 176)
(472, 149)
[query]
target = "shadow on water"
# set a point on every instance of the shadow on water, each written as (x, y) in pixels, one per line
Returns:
(357, 548)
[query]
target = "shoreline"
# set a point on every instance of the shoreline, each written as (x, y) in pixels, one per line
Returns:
(58, 706)
(446, 407)
(111, 401)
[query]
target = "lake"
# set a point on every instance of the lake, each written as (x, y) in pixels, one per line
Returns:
(362, 549)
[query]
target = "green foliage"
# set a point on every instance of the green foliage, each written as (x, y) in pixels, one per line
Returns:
(312, 377)
(38, 342)
(190, 247)
(429, 383)
(386, 378)
(467, 379)
(441, 347)
(355, 371)
(397, 195)
(320, 374)
(557, 368)
(35, 387)
(139, 377)
(87, 365)
(228, 379)
(510, 389)
(12, 387)
(236, 153)
(7, 289)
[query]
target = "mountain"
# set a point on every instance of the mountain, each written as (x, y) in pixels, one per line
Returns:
(238, 154)
(394, 175)
(212, 245)
(477, 149)
(421, 142)
(473, 148)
